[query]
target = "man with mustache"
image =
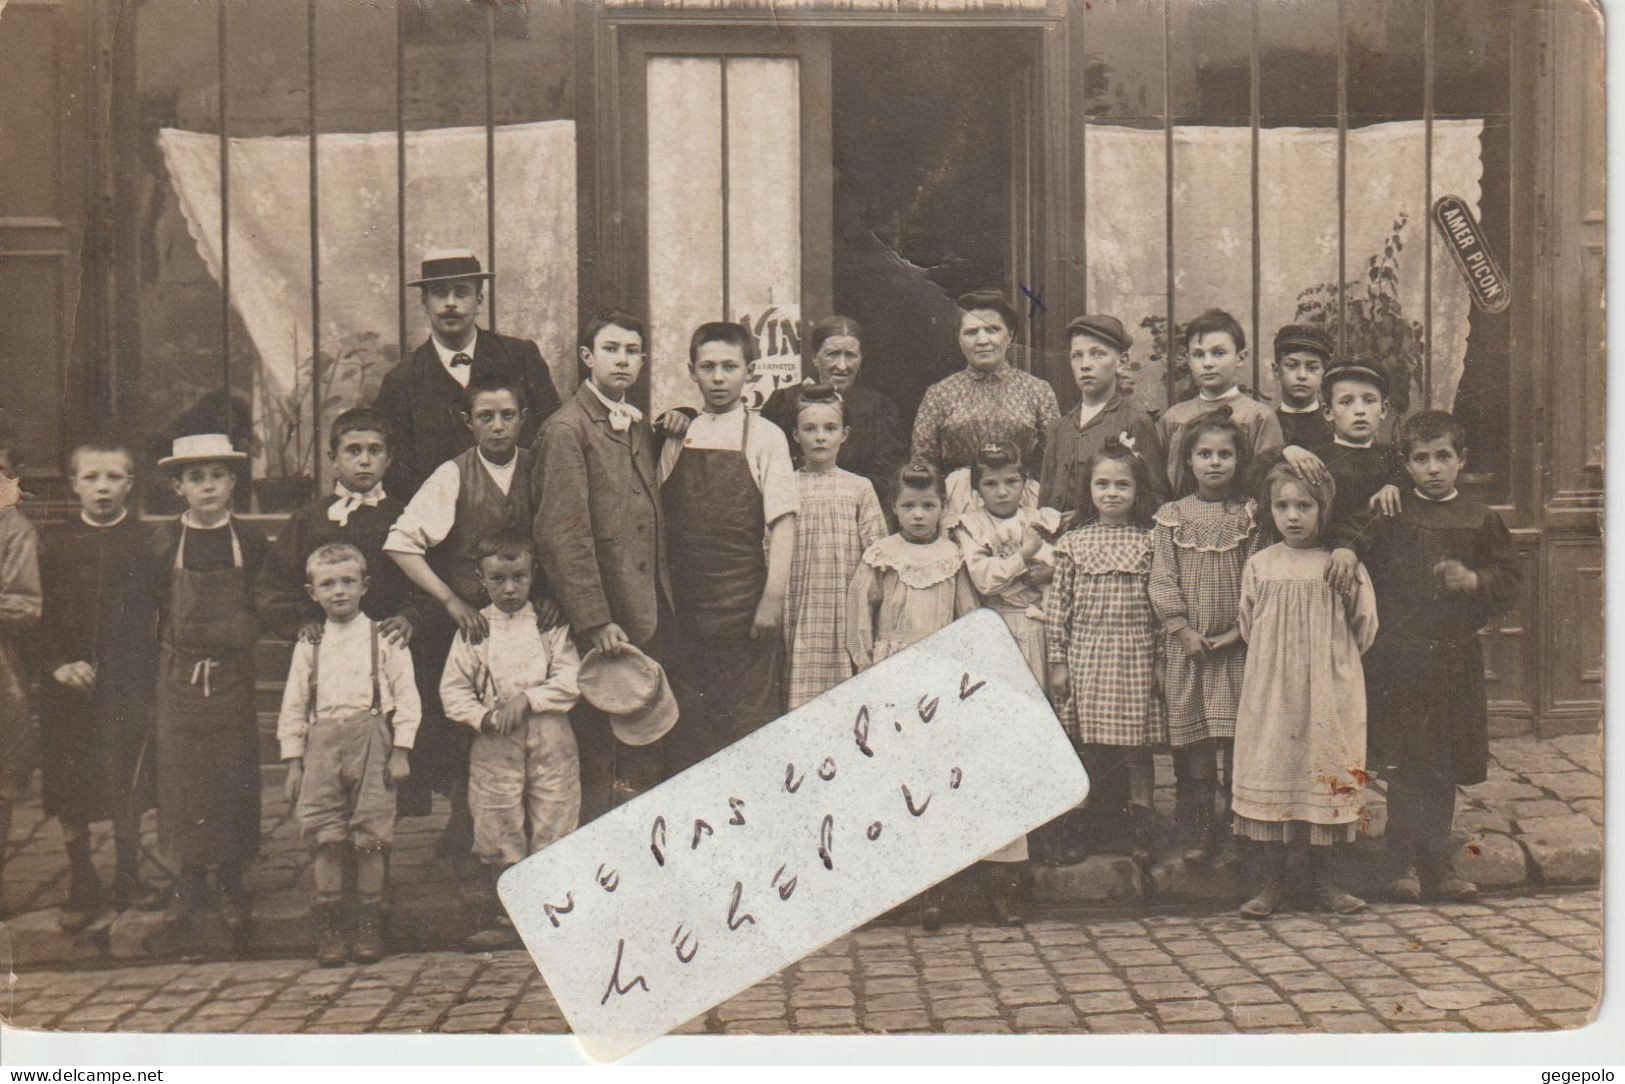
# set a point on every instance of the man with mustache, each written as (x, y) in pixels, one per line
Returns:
(422, 396)
(422, 399)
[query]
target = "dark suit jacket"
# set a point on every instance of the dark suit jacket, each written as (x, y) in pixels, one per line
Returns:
(424, 405)
(599, 532)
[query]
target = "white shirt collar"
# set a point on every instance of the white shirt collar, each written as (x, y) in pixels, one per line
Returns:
(1350, 444)
(1452, 495)
(461, 372)
(527, 613)
(189, 520)
(1087, 413)
(1312, 408)
(1234, 391)
(621, 413)
(347, 629)
(123, 514)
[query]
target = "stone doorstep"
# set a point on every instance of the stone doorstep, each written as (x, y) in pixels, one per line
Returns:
(440, 920)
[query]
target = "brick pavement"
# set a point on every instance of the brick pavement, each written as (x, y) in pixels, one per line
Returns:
(1504, 964)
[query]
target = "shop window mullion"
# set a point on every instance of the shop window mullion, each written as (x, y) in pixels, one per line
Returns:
(491, 162)
(1257, 247)
(1342, 177)
(1427, 225)
(221, 79)
(400, 169)
(315, 257)
(1171, 337)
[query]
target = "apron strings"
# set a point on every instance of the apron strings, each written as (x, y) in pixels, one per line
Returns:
(201, 673)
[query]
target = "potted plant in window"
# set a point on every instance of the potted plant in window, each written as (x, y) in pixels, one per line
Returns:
(289, 441)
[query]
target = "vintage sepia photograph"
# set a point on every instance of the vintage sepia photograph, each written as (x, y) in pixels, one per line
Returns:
(801, 517)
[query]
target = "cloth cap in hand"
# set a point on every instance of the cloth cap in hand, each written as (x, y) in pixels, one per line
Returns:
(630, 688)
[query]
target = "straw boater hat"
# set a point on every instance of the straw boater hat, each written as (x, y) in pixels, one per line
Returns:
(447, 264)
(201, 448)
(630, 688)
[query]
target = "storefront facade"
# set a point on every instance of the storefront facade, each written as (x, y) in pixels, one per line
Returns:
(239, 190)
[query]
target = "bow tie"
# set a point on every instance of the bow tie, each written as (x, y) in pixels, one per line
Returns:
(461, 359)
(622, 415)
(349, 500)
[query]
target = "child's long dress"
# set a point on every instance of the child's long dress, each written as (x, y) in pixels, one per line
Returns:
(1099, 620)
(992, 549)
(1300, 743)
(1201, 548)
(839, 519)
(901, 593)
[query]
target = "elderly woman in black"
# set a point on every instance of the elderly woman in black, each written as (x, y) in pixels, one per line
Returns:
(876, 446)
(987, 401)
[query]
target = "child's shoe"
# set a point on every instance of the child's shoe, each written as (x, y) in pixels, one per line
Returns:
(931, 910)
(1143, 848)
(1324, 890)
(84, 889)
(1444, 885)
(131, 893)
(1004, 892)
(331, 951)
(1199, 827)
(1270, 862)
(369, 932)
(1406, 888)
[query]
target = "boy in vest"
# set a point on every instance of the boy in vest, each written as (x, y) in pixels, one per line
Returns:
(350, 712)
(488, 488)
(514, 689)
(729, 494)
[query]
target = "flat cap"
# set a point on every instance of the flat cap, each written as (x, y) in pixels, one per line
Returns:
(1295, 337)
(1108, 329)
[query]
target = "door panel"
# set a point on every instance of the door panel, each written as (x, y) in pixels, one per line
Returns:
(725, 193)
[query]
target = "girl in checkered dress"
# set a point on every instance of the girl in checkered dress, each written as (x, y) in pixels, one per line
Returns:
(1103, 643)
(1300, 735)
(840, 518)
(1202, 542)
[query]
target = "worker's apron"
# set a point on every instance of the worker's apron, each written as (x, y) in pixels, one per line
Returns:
(208, 750)
(726, 684)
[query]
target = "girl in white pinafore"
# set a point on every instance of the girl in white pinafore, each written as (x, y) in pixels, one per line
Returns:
(1300, 725)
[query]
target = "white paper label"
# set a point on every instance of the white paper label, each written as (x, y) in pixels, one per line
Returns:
(793, 836)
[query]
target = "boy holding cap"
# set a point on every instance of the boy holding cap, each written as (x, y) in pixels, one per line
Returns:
(204, 566)
(515, 687)
(1302, 353)
(1098, 347)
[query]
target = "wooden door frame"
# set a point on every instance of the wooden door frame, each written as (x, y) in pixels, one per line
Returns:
(612, 268)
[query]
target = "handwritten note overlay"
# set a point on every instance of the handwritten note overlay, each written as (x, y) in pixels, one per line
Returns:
(788, 839)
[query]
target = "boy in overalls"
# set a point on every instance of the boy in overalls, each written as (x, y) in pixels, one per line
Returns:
(725, 487)
(204, 567)
(349, 715)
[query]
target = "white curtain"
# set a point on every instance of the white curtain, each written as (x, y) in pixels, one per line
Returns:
(1212, 167)
(445, 207)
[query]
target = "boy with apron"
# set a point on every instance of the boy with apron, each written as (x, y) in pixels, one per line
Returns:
(729, 494)
(208, 745)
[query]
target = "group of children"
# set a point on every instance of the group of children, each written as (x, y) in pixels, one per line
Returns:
(1217, 594)
(1194, 583)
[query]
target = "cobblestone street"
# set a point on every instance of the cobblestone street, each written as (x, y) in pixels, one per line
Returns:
(1517, 963)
